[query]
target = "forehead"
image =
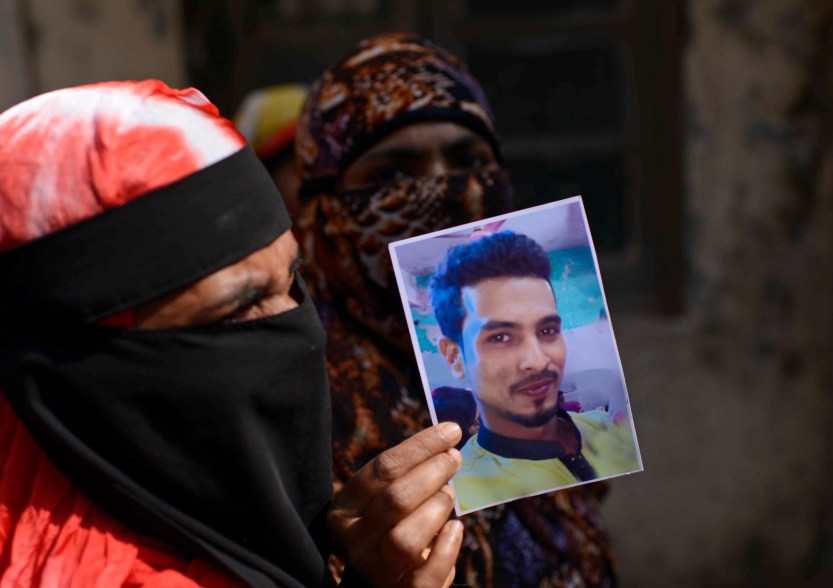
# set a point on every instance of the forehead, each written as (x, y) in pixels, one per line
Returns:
(511, 299)
(432, 134)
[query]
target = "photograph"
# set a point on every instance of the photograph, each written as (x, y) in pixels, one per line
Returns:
(315, 293)
(514, 342)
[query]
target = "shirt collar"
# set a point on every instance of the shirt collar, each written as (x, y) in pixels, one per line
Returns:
(523, 448)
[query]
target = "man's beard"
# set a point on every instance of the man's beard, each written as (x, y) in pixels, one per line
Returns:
(540, 417)
(542, 414)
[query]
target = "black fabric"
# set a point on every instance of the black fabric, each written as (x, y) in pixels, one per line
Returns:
(216, 437)
(512, 448)
(154, 244)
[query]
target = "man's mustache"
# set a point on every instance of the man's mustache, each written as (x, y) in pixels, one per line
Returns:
(545, 375)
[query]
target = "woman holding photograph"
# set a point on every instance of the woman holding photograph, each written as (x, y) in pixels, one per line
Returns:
(397, 140)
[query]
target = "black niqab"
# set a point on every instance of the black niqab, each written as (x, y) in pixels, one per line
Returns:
(216, 438)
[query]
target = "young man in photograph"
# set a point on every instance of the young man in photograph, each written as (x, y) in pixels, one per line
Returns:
(501, 331)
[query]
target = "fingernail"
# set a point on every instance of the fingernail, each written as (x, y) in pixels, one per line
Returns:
(451, 431)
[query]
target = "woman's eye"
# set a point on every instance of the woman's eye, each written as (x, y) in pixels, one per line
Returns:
(390, 174)
(239, 315)
(248, 305)
(474, 162)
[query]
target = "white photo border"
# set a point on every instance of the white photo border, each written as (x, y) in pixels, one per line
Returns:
(400, 280)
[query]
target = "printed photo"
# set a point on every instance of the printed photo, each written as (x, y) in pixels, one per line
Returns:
(514, 342)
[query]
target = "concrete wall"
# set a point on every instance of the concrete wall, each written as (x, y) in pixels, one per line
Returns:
(732, 401)
(15, 64)
(50, 44)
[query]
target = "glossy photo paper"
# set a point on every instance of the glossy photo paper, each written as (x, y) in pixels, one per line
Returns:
(514, 341)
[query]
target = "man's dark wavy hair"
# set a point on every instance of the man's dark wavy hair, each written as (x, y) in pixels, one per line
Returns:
(500, 255)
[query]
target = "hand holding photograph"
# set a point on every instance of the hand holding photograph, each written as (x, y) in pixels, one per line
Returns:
(513, 341)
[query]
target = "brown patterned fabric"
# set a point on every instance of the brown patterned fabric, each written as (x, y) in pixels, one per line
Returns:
(385, 83)
(555, 540)
(347, 236)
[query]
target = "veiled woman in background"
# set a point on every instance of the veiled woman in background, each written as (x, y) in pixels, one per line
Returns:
(394, 141)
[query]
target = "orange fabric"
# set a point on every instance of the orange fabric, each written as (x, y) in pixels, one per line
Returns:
(52, 535)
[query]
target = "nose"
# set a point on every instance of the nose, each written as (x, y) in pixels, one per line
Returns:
(533, 358)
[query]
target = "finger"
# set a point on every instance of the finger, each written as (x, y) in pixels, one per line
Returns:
(398, 549)
(438, 569)
(394, 463)
(403, 545)
(407, 493)
(427, 549)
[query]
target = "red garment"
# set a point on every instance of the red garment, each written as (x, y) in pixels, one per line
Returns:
(72, 154)
(52, 535)
(66, 156)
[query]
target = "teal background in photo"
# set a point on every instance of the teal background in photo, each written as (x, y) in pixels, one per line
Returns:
(578, 292)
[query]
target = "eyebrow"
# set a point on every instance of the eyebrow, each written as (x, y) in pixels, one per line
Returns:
(498, 325)
(555, 318)
(397, 153)
(472, 140)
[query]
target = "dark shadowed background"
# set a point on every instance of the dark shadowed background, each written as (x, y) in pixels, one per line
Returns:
(699, 134)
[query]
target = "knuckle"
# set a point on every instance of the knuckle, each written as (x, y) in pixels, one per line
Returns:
(396, 498)
(386, 467)
(444, 465)
(403, 545)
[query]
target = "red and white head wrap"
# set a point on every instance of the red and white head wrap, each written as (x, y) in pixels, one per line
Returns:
(71, 154)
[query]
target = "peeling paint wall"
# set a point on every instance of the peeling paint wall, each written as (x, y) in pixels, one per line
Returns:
(15, 57)
(751, 154)
(733, 401)
(50, 44)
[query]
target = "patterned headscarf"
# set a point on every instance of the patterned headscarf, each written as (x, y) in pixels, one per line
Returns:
(385, 83)
(71, 154)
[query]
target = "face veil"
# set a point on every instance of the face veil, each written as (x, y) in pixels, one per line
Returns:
(215, 438)
(384, 84)
(346, 235)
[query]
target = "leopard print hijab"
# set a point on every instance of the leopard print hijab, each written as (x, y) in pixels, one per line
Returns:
(387, 82)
